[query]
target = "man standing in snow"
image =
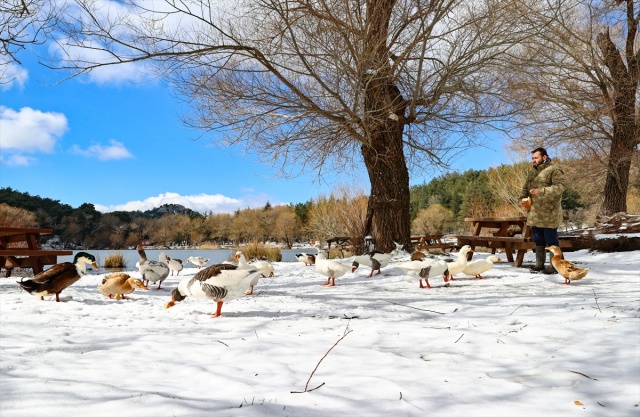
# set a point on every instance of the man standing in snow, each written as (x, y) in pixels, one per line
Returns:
(544, 187)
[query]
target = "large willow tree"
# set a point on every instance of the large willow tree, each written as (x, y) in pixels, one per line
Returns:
(322, 85)
(578, 82)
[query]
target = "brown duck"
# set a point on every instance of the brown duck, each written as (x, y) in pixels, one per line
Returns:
(119, 284)
(58, 277)
(569, 271)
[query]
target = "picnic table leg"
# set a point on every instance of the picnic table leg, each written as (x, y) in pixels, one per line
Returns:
(508, 251)
(520, 257)
(4, 263)
(36, 265)
(470, 254)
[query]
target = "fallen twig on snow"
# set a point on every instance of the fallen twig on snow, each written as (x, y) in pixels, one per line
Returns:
(415, 308)
(346, 332)
(516, 309)
(584, 375)
(596, 298)
(459, 338)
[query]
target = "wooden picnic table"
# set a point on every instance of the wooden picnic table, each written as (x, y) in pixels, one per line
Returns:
(426, 242)
(509, 233)
(20, 248)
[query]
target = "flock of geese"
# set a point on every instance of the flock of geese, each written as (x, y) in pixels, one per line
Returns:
(227, 281)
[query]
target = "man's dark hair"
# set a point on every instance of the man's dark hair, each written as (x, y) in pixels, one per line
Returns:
(542, 151)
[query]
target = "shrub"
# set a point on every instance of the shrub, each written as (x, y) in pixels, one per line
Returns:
(260, 251)
(209, 245)
(114, 260)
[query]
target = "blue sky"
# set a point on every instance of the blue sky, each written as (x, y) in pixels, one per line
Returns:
(117, 142)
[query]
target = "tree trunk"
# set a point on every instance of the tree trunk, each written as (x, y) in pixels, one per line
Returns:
(625, 80)
(388, 215)
(619, 166)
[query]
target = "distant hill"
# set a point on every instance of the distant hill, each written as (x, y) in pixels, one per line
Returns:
(54, 211)
(170, 209)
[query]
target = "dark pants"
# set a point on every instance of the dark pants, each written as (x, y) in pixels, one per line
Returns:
(545, 236)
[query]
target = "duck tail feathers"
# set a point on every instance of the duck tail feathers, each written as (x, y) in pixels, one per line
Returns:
(28, 285)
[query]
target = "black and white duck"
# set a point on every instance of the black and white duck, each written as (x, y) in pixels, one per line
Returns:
(55, 279)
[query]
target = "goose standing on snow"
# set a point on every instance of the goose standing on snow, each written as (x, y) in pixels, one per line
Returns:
(306, 258)
(458, 265)
(477, 267)
(265, 268)
(151, 271)
(569, 271)
(58, 277)
(425, 269)
(198, 261)
(220, 283)
(120, 284)
(330, 268)
(243, 264)
(172, 263)
(375, 260)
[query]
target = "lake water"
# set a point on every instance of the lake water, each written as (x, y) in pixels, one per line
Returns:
(214, 255)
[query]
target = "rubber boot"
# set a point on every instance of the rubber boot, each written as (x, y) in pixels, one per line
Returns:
(550, 269)
(541, 254)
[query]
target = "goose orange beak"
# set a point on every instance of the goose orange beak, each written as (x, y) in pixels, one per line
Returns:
(170, 304)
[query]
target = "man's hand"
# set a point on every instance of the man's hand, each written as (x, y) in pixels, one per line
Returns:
(534, 191)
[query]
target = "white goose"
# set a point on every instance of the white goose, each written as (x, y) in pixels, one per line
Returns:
(477, 267)
(220, 283)
(198, 261)
(330, 268)
(172, 263)
(458, 265)
(243, 264)
(151, 271)
(375, 260)
(425, 269)
(265, 268)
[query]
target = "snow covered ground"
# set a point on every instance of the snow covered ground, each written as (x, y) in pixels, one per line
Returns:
(513, 344)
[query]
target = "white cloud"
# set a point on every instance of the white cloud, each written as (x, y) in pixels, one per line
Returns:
(115, 150)
(29, 130)
(16, 160)
(120, 73)
(12, 75)
(109, 74)
(202, 203)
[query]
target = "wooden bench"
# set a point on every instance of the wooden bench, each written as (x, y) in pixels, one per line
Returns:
(510, 244)
(426, 242)
(19, 248)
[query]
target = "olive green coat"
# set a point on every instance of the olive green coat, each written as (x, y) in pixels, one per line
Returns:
(546, 208)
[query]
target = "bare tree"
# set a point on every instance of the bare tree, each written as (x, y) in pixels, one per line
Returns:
(319, 85)
(578, 81)
(434, 219)
(22, 23)
(287, 225)
(217, 226)
(323, 223)
(505, 184)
